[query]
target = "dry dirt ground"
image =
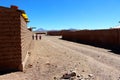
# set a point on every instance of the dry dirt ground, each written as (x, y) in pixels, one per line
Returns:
(52, 57)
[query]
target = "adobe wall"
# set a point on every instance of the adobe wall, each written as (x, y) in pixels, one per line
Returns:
(105, 37)
(119, 37)
(15, 40)
(54, 33)
(10, 50)
(26, 41)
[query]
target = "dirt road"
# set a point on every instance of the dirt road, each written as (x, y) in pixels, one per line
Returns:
(52, 57)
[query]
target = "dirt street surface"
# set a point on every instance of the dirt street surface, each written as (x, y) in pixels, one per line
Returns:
(56, 59)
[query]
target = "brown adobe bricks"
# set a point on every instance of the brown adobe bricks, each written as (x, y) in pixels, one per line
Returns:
(108, 37)
(15, 39)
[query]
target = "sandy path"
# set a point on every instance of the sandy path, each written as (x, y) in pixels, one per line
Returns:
(52, 57)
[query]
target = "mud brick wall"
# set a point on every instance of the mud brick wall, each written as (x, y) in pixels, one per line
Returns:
(110, 37)
(26, 40)
(119, 37)
(10, 50)
(69, 35)
(15, 40)
(54, 33)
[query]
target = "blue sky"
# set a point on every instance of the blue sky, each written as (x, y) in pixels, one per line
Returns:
(65, 14)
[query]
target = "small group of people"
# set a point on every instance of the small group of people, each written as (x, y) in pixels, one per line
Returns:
(36, 37)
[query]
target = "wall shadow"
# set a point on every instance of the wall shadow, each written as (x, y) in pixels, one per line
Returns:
(114, 49)
(8, 72)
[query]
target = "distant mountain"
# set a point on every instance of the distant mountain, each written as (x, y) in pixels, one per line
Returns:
(41, 30)
(115, 27)
(72, 29)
